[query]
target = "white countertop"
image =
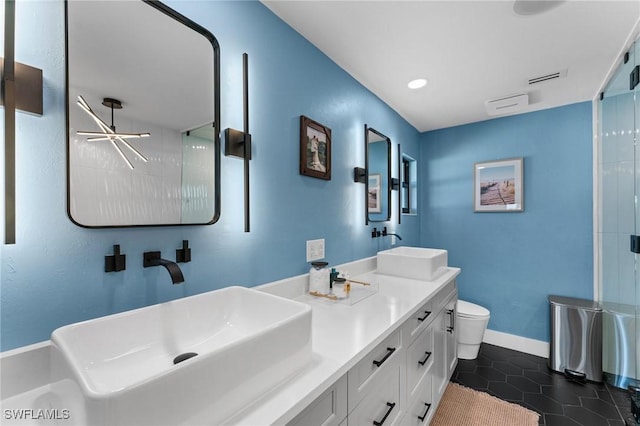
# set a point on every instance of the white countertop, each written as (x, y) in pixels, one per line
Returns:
(341, 336)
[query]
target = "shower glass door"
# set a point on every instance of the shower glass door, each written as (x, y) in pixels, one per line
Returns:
(619, 217)
(635, 385)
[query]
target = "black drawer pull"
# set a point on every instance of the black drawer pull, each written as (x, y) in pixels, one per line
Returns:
(379, 363)
(424, 361)
(424, 416)
(427, 313)
(381, 422)
(452, 320)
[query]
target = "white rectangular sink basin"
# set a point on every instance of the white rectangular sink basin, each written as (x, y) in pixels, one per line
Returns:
(424, 264)
(246, 341)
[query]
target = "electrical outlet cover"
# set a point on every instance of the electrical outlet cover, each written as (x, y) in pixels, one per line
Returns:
(315, 250)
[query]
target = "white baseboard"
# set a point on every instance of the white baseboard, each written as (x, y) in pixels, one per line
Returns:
(517, 343)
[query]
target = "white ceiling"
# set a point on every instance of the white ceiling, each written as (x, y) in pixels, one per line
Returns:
(470, 51)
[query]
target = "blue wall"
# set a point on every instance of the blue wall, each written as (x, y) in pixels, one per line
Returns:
(511, 262)
(54, 274)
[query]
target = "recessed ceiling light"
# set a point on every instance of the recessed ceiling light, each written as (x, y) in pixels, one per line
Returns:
(417, 83)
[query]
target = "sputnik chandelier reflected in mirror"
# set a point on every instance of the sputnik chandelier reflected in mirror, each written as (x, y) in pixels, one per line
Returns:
(109, 133)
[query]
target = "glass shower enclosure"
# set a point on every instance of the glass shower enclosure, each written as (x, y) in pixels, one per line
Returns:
(618, 223)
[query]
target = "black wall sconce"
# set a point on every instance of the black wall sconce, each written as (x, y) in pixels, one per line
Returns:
(21, 90)
(238, 143)
(395, 184)
(359, 175)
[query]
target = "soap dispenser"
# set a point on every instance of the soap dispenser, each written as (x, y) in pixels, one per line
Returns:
(333, 275)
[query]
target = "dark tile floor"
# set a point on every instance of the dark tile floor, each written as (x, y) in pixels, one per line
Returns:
(526, 380)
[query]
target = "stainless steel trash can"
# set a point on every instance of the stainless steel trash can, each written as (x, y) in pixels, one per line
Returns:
(575, 348)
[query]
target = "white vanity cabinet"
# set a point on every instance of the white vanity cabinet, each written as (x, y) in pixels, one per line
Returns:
(383, 404)
(376, 384)
(422, 407)
(452, 334)
(400, 381)
(420, 356)
(420, 359)
(446, 354)
(431, 355)
(366, 374)
(329, 409)
(421, 319)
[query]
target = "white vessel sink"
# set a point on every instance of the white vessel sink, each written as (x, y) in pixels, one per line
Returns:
(425, 264)
(246, 342)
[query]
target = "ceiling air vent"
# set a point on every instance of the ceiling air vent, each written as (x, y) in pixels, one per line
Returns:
(552, 76)
(507, 104)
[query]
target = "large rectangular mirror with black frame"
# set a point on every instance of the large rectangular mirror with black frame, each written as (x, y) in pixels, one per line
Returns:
(143, 108)
(378, 170)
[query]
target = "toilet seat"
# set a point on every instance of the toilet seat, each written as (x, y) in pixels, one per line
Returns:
(471, 310)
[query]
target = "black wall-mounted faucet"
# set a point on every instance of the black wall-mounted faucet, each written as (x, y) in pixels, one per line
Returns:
(153, 258)
(385, 233)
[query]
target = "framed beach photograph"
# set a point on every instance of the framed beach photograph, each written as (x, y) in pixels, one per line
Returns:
(498, 186)
(373, 196)
(315, 149)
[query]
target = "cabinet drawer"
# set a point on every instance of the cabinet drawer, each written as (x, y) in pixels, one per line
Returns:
(422, 408)
(420, 357)
(421, 319)
(364, 375)
(330, 408)
(381, 406)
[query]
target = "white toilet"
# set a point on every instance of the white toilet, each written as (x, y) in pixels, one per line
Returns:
(471, 321)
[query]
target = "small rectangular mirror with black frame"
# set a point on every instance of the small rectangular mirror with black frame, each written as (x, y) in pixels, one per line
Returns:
(143, 108)
(378, 176)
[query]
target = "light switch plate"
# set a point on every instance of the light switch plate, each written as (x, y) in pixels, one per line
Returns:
(315, 250)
